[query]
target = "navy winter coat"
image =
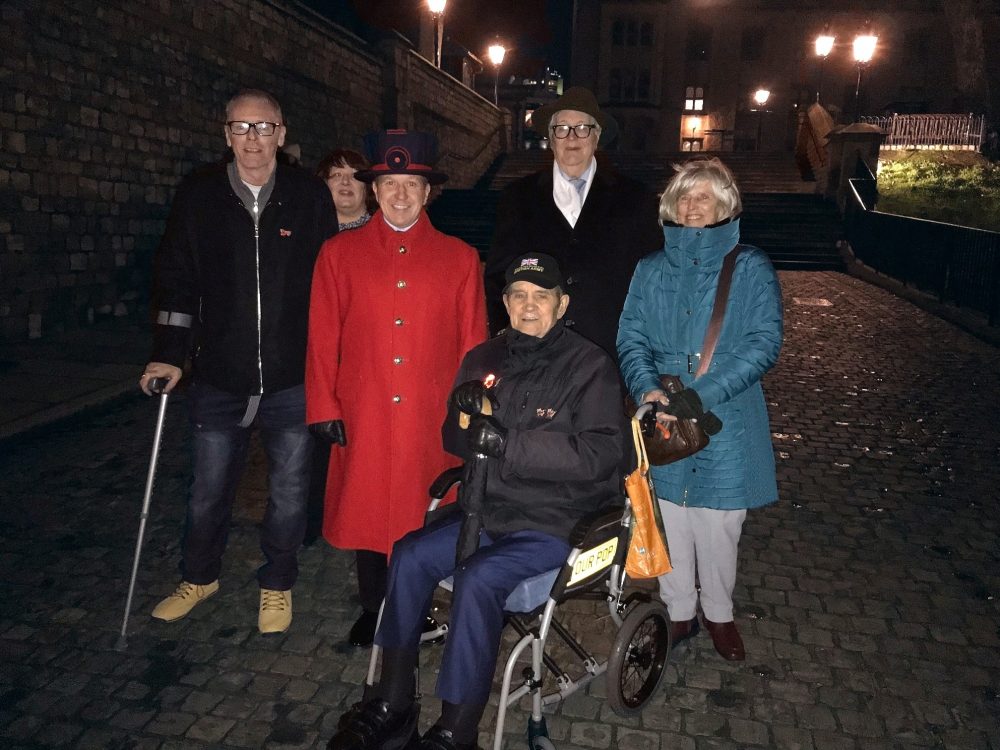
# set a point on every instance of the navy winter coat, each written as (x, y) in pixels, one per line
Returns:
(666, 314)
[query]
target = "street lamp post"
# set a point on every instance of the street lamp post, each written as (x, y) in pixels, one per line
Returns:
(437, 10)
(864, 51)
(824, 45)
(760, 96)
(496, 54)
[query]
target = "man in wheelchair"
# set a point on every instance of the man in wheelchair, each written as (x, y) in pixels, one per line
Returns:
(543, 410)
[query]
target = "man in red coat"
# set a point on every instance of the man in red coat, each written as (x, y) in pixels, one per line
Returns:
(395, 306)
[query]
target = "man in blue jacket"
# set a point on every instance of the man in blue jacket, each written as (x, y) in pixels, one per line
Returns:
(232, 289)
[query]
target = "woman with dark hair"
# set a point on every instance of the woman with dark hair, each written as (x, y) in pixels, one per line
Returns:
(353, 199)
(354, 203)
(704, 497)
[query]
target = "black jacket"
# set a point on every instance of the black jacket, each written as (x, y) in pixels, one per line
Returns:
(559, 399)
(618, 225)
(210, 271)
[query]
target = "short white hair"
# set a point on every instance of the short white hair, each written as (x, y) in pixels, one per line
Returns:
(690, 173)
(256, 94)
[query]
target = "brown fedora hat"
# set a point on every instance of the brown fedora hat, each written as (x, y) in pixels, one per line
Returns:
(582, 100)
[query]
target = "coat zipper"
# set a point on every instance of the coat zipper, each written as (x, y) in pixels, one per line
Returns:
(256, 242)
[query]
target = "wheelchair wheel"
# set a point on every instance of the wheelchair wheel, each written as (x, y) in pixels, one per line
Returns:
(638, 658)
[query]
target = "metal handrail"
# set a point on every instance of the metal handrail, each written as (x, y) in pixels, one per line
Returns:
(960, 265)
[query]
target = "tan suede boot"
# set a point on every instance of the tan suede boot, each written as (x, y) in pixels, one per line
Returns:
(275, 611)
(185, 598)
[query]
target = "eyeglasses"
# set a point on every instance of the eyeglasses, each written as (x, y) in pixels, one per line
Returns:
(240, 127)
(581, 131)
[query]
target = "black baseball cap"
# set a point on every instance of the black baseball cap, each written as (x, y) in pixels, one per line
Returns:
(538, 268)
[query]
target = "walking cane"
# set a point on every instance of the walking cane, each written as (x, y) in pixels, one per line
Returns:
(473, 490)
(156, 385)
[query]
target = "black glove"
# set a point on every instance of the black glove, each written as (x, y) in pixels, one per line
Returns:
(710, 423)
(468, 397)
(330, 432)
(487, 436)
(684, 405)
(687, 405)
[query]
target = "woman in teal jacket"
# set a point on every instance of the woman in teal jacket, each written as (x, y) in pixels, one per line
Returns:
(704, 498)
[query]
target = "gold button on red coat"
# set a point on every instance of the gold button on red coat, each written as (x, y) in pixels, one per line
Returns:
(399, 321)
(401, 284)
(402, 250)
(397, 399)
(397, 360)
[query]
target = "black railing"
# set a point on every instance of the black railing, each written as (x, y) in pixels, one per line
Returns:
(947, 132)
(959, 265)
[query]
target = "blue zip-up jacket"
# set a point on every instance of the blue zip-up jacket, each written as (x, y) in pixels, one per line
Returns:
(661, 331)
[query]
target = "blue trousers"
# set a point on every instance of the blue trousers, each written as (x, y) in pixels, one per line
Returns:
(220, 452)
(424, 557)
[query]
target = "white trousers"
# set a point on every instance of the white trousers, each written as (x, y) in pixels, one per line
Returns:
(703, 542)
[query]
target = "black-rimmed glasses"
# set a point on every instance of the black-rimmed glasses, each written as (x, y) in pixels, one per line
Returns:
(581, 131)
(241, 127)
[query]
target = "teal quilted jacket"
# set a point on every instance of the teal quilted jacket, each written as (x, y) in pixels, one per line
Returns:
(662, 329)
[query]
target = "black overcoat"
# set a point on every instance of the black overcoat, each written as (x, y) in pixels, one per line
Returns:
(618, 225)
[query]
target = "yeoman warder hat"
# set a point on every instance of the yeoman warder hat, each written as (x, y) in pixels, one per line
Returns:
(401, 152)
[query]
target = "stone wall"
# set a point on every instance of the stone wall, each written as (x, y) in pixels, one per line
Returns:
(104, 106)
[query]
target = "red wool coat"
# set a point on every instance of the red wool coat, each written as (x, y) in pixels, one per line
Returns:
(390, 318)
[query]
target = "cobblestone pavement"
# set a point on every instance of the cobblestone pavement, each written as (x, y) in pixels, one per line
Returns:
(868, 597)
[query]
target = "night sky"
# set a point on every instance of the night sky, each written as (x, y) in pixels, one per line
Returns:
(537, 30)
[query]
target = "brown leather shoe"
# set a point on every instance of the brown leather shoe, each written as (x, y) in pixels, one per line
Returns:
(681, 630)
(727, 640)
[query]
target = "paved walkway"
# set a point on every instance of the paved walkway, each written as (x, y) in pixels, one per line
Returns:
(868, 596)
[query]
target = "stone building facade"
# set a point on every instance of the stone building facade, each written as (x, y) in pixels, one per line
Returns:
(681, 74)
(105, 106)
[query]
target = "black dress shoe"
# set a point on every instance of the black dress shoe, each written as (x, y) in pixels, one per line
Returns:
(376, 726)
(439, 738)
(363, 631)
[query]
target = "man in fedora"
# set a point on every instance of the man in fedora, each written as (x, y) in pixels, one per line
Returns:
(597, 224)
(394, 307)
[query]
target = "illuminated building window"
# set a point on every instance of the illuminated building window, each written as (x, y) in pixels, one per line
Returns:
(694, 99)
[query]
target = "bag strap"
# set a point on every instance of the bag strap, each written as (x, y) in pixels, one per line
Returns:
(640, 447)
(718, 309)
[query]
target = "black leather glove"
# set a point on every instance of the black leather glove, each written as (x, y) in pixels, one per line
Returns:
(468, 397)
(710, 423)
(684, 405)
(687, 405)
(332, 432)
(487, 436)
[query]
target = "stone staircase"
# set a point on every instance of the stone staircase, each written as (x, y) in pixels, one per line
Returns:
(781, 214)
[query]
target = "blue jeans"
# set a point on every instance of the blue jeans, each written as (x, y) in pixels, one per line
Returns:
(481, 586)
(220, 453)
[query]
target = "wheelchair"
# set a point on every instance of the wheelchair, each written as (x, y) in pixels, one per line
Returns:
(595, 570)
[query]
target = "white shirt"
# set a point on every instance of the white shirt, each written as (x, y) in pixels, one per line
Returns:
(564, 192)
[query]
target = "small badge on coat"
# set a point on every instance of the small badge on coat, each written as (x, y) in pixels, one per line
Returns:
(545, 413)
(285, 232)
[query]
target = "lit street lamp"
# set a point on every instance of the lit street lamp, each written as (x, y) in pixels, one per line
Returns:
(760, 96)
(864, 51)
(496, 54)
(436, 8)
(824, 45)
